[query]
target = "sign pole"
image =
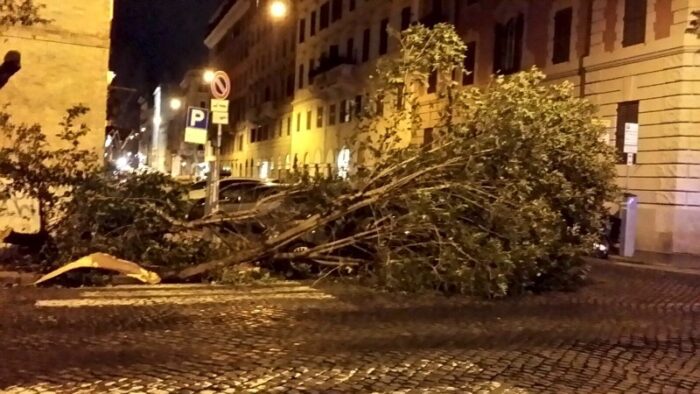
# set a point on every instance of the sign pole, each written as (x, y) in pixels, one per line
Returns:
(220, 89)
(216, 171)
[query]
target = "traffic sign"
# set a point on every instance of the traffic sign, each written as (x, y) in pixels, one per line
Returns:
(631, 138)
(221, 85)
(197, 125)
(220, 118)
(219, 105)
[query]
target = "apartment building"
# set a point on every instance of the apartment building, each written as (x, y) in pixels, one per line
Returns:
(338, 44)
(258, 53)
(185, 159)
(632, 58)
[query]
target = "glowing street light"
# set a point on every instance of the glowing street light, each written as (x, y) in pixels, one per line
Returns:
(209, 76)
(175, 103)
(279, 9)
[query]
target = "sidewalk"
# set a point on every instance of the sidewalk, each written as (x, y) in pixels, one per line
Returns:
(669, 262)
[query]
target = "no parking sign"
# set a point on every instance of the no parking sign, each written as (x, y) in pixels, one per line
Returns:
(221, 85)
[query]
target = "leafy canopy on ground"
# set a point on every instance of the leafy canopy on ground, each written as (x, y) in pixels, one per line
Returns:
(507, 198)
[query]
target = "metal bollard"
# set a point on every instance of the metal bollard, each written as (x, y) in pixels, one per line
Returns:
(628, 228)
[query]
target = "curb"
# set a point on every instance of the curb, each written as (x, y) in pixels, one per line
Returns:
(13, 278)
(630, 263)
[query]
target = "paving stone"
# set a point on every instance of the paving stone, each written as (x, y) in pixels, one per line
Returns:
(630, 331)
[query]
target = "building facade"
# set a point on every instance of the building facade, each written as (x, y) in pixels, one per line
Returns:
(631, 58)
(187, 159)
(258, 53)
(64, 62)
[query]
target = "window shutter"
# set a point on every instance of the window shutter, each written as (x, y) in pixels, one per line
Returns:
(519, 32)
(634, 30)
(469, 64)
(498, 48)
(562, 36)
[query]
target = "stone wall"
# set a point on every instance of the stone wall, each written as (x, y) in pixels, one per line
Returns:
(64, 63)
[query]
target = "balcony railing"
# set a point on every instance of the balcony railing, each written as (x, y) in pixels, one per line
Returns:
(329, 63)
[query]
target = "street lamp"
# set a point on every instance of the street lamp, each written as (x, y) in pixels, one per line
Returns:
(209, 76)
(278, 9)
(175, 103)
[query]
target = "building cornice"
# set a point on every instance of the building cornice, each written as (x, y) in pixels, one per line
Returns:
(233, 15)
(639, 58)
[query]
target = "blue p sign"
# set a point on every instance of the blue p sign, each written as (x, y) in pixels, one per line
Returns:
(197, 125)
(197, 118)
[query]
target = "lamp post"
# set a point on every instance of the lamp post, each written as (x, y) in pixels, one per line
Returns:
(278, 9)
(175, 104)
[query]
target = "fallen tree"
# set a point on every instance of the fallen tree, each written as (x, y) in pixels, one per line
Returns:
(506, 199)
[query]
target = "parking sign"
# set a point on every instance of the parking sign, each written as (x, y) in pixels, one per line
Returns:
(197, 125)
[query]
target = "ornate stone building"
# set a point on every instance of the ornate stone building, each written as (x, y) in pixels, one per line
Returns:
(64, 63)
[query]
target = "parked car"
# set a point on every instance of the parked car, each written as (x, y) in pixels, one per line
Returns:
(235, 194)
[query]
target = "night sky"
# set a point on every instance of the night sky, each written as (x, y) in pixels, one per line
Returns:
(157, 41)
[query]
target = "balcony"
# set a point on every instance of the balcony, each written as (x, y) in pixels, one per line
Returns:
(337, 73)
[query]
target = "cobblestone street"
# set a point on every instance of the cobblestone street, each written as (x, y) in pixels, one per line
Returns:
(630, 331)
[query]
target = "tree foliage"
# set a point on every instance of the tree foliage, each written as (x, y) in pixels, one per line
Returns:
(20, 12)
(84, 208)
(45, 170)
(122, 214)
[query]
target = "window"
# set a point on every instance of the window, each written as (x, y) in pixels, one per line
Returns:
(289, 125)
(299, 122)
(319, 117)
(344, 113)
(627, 112)
(635, 22)
(508, 46)
(432, 81)
(428, 137)
(301, 76)
(469, 64)
(302, 30)
(350, 48)
(405, 18)
(562, 36)
(366, 36)
(279, 131)
(325, 16)
(383, 37)
(380, 105)
(331, 115)
(334, 51)
(308, 120)
(311, 69)
(337, 10)
(358, 105)
(290, 85)
(312, 22)
(352, 5)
